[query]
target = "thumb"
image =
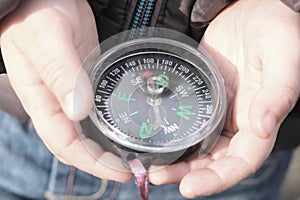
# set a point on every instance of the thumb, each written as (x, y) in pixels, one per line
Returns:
(280, 77)
(53, 53)
(277, 96)
(269, 108)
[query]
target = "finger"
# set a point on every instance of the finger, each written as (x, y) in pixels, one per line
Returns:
(174, 173)
(243, 157)
(55, 129)
(269, 109)
(99, 163)
(210, 180)
(171, 174)
(60, 70)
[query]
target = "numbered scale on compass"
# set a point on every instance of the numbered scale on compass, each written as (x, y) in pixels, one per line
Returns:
(153, 98)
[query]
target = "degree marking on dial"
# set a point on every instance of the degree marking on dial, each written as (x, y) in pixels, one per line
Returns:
(175, 68)
(203, 116)
(202, 87)
(198, 121)
(111, 79)
(199, 88)
(192, 84)
(124, 69)
(119, 76)
(101, 106)
(166, 67)
(204, 102)
(104, 92)
(195, 127)
(106, 113)
(139, 61)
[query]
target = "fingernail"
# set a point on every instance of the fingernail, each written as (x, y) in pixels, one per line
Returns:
(68, 105)
(76, 106)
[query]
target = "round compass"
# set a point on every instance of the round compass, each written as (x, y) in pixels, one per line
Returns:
(157, 99)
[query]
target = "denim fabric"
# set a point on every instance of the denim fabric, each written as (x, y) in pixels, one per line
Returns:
(29, 171)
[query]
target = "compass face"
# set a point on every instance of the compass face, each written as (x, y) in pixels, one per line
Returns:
(155, 99)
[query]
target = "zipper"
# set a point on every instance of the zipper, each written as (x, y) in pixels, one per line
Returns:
(141, 18)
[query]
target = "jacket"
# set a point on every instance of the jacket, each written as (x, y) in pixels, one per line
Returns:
(190, 17)
(186, 16)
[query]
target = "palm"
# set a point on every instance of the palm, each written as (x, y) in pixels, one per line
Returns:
(260, 93)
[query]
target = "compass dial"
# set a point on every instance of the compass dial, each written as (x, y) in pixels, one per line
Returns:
(154, 97)
(150, 99)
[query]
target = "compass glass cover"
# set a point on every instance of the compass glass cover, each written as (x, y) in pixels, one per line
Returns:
(157, 95)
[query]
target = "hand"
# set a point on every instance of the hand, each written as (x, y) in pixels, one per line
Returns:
(256, 46)
(43, 44)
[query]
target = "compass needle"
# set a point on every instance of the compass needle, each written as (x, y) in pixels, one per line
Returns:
(158, 118)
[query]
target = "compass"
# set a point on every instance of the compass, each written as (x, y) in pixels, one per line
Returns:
(156, 99)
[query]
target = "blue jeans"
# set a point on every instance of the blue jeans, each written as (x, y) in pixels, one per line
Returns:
(29, 171)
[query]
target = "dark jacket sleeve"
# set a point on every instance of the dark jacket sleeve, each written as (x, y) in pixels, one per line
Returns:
(6, 6)
(2, 67)
(293, 4)
(288, 134)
